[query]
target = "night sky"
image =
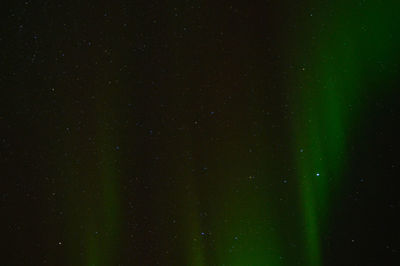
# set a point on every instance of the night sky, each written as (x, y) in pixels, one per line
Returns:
(196, 133)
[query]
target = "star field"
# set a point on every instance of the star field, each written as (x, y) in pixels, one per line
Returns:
(200, 133)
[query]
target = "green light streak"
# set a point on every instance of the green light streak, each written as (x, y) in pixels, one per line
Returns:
(103, 244)
(193, 241)
(335, 77)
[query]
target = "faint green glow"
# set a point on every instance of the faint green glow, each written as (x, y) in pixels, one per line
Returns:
(193, 239)
(247, 233)
(104, 220)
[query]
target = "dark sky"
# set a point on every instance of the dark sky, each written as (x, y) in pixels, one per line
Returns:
(200, 133)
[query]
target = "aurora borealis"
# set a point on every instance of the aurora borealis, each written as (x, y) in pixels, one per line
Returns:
(200, 133)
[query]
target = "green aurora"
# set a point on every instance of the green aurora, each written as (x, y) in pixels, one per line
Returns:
(351, 42)
(345, 43)
(194, 133)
